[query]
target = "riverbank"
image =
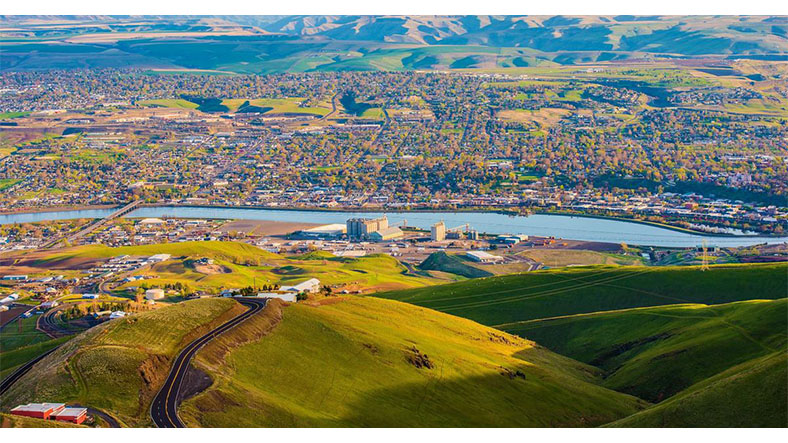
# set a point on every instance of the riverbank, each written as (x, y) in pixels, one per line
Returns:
(58, 209)
(469, 210)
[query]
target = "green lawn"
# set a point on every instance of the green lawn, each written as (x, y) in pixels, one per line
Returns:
(177, 103)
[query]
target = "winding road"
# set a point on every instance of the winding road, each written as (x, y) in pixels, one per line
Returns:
(164, 409)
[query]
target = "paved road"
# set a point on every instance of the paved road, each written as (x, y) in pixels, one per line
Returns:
(164, 409)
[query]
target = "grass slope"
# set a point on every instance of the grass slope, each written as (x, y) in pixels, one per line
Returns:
(653, 353)
(244, 265)
(345, 362)
(758, 388)
(441, 261)
(118, 366)
(507, 299)
(15, 421)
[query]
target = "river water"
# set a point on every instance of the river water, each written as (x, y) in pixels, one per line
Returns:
(561, 226)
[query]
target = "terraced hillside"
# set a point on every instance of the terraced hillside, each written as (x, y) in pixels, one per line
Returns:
(373, 362)
(118, 366)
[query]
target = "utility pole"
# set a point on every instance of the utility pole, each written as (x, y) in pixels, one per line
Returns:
(704, 265)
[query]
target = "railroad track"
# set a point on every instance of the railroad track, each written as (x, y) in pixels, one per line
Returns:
(164, 409)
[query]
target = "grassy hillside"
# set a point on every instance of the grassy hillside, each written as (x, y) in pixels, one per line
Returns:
(441, 261)
(371, 362)
(238, 265)
(15, 421)
(536, 295)
(653, 353)
(555, 258)
(118, 366)
(758, 388)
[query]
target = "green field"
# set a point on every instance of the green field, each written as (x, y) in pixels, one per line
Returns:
(118, 365)
(653, 353)
(177, 103)
(352, 363)
(503, 301)
(10, 115)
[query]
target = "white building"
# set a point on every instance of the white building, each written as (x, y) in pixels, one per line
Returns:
(287, 296)
(311, 285)
(117, 314)
(483, 257)
(154, 294)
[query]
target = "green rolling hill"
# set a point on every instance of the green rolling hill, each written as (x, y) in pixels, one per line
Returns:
(654, 353)
(377, 363)
(503, 301)
(750, 395)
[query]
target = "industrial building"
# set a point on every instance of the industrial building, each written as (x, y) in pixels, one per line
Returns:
(362, 228)
(38, 410)
(483, 257)
(311, 285)
(387, 234)
(73, 415)
(438, 231)
(334, 230)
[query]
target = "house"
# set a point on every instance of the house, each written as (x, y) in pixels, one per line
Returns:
(15, 277)
(73, 415)
(483, 257)
(38, 410)
(90, 296)
(117, 314)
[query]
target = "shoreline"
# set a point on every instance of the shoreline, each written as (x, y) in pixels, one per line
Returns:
(58, 209)
(508, 212)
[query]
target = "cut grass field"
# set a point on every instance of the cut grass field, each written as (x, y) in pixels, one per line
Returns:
(502, 301)
(355, 362)
(653, 353)
(118, 365)
(441, 261)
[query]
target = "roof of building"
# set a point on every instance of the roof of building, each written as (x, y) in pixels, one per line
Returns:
(71, 412)
(484, 255)
(38, 407)
(393, 230)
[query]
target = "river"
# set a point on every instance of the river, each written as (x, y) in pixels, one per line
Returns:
(561, 226)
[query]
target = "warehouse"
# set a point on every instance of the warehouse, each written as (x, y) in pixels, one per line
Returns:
(386, 234)
(483, 257)
(73, 415)
(38, 410)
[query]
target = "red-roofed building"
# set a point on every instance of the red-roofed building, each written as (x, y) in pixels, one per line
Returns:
(38, 410)
(74, 415)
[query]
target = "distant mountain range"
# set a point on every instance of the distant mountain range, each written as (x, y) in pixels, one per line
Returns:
(281, 43)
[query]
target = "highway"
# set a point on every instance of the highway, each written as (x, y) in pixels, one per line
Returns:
(164, 409)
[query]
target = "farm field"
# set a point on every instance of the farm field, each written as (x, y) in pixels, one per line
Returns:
(367, 362)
